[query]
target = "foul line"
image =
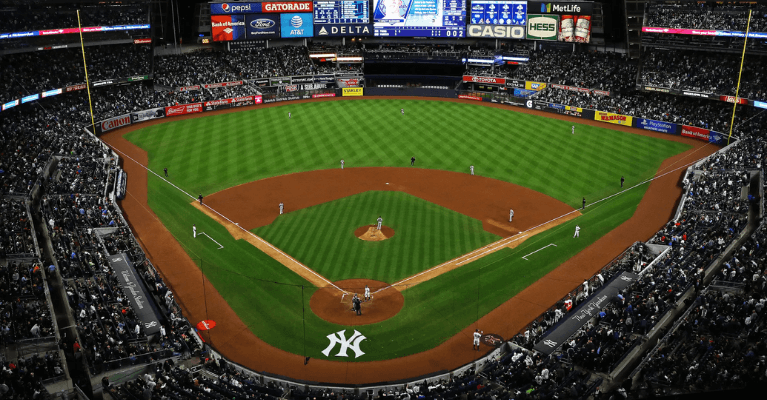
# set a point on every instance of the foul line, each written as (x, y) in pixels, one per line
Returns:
(224, 217)
(548, 245)
(214, 241)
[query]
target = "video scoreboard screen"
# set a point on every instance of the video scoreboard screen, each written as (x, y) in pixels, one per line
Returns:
(420, 18)
(498, 12)
(341, 12)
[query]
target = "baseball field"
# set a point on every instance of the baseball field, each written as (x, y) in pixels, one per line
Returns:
(245, 163)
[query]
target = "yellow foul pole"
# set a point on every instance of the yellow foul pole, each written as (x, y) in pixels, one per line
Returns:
(740, 73)
(85, 66)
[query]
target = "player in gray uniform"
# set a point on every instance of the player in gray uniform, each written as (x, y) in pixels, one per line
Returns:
(472, 169)
(573, 130)
(380, 221)
(282, 207)
(511, 215)
(194, 230)
(342, 164)
(577, 232)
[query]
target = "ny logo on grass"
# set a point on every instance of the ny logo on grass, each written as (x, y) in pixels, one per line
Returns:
(352, 343)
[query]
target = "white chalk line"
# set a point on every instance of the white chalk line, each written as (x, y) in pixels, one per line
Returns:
(220, 246)
(224, 217)
(548, 245)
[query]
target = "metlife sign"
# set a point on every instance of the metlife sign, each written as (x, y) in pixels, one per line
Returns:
(542, 27)
(343, 30)
(561, 7)
(496, 31)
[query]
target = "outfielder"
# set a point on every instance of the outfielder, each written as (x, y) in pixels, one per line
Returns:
(573, 130)
(511, 215)
(289, 115)
(194, 230)
(402, 110)
(380, 221)
(166, 172)
(282, 206)
(577, 232)
(477, 336)
(472, 169)
(342, 164)
(367, 293)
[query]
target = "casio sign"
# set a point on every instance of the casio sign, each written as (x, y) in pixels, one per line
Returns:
(262, 23)
(497, 31)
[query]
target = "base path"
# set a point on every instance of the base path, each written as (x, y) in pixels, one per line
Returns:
(333, 306)
(235, 341)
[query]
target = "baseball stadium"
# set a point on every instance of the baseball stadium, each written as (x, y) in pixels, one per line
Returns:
(372, 199)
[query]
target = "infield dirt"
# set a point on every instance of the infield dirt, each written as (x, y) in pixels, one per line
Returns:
(235, 341)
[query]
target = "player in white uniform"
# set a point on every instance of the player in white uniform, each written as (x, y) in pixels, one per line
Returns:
(511, 215)
(281, 208)
(380, 221)
(342, 164)
(573, 130)
(577, 231)
(477, 336)
(289, 115)
(367, 293)
(402, 110)
(472, 169)
(194, 230)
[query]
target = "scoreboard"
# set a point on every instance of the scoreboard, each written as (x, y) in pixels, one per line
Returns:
(498, 12)
(341, 12)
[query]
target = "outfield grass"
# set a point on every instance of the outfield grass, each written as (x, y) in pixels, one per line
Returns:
(426, 234)
(212, 153)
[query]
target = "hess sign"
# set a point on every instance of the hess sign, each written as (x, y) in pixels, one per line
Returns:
(496, 31)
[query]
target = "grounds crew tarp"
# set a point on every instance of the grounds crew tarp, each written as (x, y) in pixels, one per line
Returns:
(136, 293)
(584, 312)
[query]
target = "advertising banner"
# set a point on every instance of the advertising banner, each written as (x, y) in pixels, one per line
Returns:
(296, 25)
(142, 41)
(524, 93)
(301, 79)
(287, 6)
(225, 28)
(146, 115)
(348, 82)
(183, 109)
(537, 86)
(262, 26)
(259, 81)
(354, 91)
(658, 89)
(560, 7)
(325, 78)
(114, 123)
(343, 30)
(716, 137)
(496, 31)
(75, 87)
(469, 97)
(760, 104)
(657, 126)
(542, 27)
(320, 95)
(222, 84)
(232, 102)
(188, 88)
(698, 94)
(235, 8)
(484, 79)
(31, 97)
(136, 292)
(703, 32)
(515, 83)
(53, 92)
(313, 86)
(611, 118)
(10, 104)
(580, 89)
(731, 99)
(696, 133)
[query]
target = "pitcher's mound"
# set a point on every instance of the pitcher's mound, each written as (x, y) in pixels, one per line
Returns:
(370, 233)
(329, 304)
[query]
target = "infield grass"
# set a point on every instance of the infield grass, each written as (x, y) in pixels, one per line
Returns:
(212, 153)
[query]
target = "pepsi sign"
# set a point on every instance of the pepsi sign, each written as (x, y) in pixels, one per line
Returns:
(235, 8)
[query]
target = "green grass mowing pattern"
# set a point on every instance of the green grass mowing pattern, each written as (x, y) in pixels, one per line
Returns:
(322, 237)
(267, 296)
(209, 154)
(206, 155)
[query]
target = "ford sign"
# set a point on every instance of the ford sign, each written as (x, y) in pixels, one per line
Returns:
(262, 23)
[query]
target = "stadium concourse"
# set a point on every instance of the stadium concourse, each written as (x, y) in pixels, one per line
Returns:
(66, 317)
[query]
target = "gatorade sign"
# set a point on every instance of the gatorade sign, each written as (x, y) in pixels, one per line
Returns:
(542, 27)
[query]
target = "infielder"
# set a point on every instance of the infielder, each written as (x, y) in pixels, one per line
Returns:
(367, 293)
(380, 221)
(477, 336)
(412, 161)
(511, 215)
(472, 169)
(200, 198)
(342, 164)
(583, 206)
(194, 230)
(282, 206)
(166, 172)
(622, 179)
(577, 232)
(573, 130)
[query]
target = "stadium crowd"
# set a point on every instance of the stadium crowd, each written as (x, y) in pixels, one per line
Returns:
(717, 16)
(37, 16)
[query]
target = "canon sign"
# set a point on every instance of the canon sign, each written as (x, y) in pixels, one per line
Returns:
(116, 122)
(290, 6)
(496, 31)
